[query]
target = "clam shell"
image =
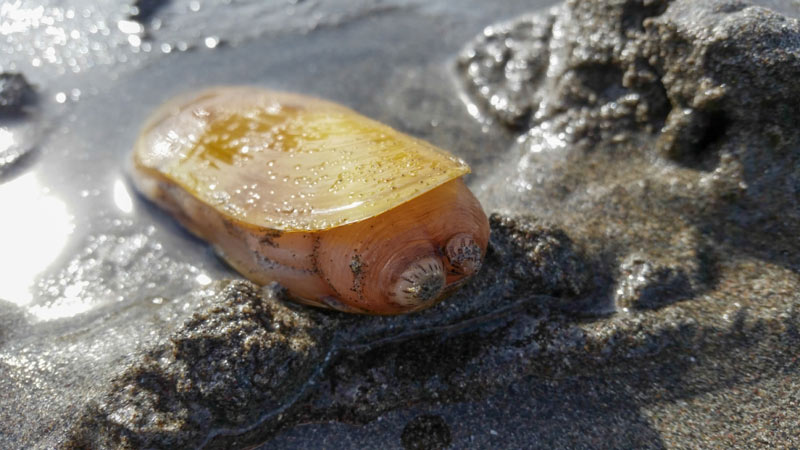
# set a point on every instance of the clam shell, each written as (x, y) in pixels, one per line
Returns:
(344, 212)
(288, 162)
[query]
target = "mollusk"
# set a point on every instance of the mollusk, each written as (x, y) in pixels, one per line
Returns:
(344, 212)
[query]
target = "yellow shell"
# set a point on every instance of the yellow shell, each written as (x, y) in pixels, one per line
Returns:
(346, 212)
(241, 149)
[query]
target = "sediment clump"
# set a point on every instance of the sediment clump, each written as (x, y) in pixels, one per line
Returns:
(227, 365)
(658, 133)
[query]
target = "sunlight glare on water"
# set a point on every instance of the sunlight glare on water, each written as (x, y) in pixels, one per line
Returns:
(122, 198)
(17, 19)
(31, 236)
(6, 140)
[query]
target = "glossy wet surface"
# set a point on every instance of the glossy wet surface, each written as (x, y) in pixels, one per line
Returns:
(98, 82)
(89, 267)
(640, 289)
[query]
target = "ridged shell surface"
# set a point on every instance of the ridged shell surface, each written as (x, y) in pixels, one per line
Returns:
(288, 162)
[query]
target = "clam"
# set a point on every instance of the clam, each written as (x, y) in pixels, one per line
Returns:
(343, 211)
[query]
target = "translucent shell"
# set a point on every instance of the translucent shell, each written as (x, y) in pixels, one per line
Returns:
(288, 162)
(342, 211)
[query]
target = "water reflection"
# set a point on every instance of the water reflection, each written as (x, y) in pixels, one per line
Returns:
(17, 19)
(122, 198)
(6, 140)
(31, 236)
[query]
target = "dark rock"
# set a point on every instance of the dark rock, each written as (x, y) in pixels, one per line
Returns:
(15, 93)
(18, 132)
(146, 9)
